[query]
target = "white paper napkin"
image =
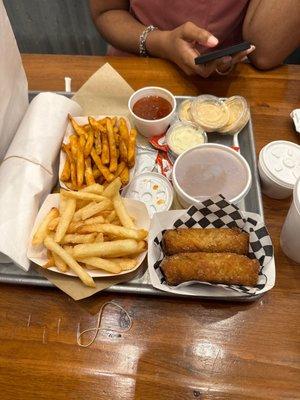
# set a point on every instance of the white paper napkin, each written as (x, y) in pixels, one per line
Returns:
(29, 171)
(13, 84)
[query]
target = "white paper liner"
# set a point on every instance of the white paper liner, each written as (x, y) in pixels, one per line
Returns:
(14, 88)
(38, 254)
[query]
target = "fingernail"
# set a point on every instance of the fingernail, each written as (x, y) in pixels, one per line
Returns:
(212, 41)
(252, 48)
(244, 59)
(226, 59)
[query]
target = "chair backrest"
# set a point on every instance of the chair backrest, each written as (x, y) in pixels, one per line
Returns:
(54, 26)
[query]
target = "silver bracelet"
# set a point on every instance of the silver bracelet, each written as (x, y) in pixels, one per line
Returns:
(143, 37)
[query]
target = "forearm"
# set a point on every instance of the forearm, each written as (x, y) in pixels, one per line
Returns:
(120, 29)
(273, 27)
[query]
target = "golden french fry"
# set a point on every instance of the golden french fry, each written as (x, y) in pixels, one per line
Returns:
(111, 216)
(94, 188)
(86, 127)
(53, 224)
(94, 220)
(74, 145)
(50, 262)
(88, 145)
(124, 175)
(92, 209)
(116, 248)
(80, 166)
(98, 143)
(113, 121)
(123, 150)
(126, 264)
(78, 238)
(100, 263)
(81, 203)
(116, 231)
(67, 149)
(77, 128)
(99, 238)
(43, 230)
(69, 260)
(66, 172)
(113, 188)
(123, 129)
(96, 125)
(82, 141)
(96, 172)
(66, 216)
(74, 226)
(116, 131)
(120, 169)
(88, 174)
(104, 170)
(59, 263)
(105, 149)
(102, 121)
(80, 195)
(122, 213)
(132, 148)
(112, 146)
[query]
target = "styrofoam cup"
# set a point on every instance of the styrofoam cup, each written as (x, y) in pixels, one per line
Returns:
(279, 167)
(186, 200)
(290, 233)
(146, 127)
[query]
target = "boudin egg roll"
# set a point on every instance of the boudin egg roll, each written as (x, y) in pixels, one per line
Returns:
(226, 268)
(210, 240)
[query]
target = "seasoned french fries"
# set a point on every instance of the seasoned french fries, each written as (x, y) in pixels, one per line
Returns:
(91, 230)
(43, 229)
(98, 152)
(69, 260)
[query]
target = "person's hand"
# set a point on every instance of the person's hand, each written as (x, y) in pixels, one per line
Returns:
(180, 47)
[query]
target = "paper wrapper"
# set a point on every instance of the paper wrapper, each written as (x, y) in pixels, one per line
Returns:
(105, 92)
(212, 213)
(29, 172)
(38, 254)
(14, 88)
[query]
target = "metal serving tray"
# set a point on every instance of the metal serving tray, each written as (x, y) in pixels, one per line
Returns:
(141, 285)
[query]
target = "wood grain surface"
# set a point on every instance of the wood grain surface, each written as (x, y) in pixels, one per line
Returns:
(177, 348)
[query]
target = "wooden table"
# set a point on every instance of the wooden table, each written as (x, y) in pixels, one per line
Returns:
(177, 348)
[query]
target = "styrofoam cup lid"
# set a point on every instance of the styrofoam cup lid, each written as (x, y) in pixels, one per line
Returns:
(153, 189)
(282, 160)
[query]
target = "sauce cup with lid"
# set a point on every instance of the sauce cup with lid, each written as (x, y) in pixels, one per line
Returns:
(152, 127)
(208, 170)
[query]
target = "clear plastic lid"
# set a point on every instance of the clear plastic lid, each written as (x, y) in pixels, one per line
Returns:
(281, 160)
(184, 111)
(182, 136)
(239, 114)
(209, 112)
(153, 189)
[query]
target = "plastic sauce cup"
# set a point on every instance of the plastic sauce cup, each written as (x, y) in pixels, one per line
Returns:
(146, 127)
(290, 233)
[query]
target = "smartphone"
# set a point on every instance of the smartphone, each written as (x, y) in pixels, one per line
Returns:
(228, 51)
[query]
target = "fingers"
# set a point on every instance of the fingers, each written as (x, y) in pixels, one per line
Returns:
(207, 69)
(192, 32)
(241, 55)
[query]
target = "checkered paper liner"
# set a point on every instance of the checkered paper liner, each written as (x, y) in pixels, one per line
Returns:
(217, 212)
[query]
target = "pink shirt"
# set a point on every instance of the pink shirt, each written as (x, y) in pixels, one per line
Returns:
(222, 18)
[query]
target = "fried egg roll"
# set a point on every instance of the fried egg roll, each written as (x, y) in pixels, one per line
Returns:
(226, 268)
(208, 240)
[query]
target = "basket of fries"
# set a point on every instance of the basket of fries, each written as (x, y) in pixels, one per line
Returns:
(92, 232)
(97, 150)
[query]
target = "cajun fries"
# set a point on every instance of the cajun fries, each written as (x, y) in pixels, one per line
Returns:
(91, 229)
(98, 152)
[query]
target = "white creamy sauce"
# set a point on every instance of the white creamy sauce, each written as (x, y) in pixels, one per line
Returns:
(184, 137)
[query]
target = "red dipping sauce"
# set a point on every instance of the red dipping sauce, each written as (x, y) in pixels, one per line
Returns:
(152, 107)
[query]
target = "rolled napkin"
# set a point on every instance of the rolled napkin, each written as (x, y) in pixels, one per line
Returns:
(13, 83)
(29, 171)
